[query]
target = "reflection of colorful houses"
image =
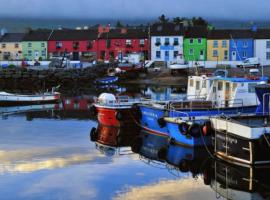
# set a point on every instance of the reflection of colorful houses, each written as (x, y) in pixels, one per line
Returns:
(218, 42)
(166, 42)
(241, 45)
(77, 103)
(11, 47)
(77, 44)
(34, 45)
(117, 43)
(195, 44)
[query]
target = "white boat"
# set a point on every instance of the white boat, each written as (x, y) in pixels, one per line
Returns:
(15, 99)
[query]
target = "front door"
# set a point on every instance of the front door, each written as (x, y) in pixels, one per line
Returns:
(36, 55)
(167, 56)
(201, 54)
(233, 55)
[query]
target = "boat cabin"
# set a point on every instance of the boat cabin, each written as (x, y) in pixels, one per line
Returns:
(223, 91)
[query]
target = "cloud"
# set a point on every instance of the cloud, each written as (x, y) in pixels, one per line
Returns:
(124, 9)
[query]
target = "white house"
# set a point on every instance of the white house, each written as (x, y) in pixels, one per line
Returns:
(166, 42)
(262, 46)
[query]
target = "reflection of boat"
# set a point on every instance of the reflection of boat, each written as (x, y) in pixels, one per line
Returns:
(107, 80)
(116, 110)
(245, 139)
(113, 136)
(236, 182)
(24, 99)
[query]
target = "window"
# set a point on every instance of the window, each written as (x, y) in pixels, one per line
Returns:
(167, 41)
(215, 53)
(43, 44)
(244, 54)
(220, 86)
(245, 44)
(191, 41)
(234, 44)
(3, 46)
(76, 45)
(58, 45)
(199, 40)
(175, 41)
(267, 55)
(142, 42)
(251, 87)
(158, 41)
(128, 42)
(225, 54)
(227, 86)
(197, 85)
(215, 44)
(167, 54)
(157, 54)
(191, 82)
(204, 84)
(224, 44)
(16, 45)
(191, 52)
(268, 44)
(43, 53)
(29, 53)
(175, 54)
(29, 44)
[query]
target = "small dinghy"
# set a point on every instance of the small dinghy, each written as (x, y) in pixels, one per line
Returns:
(28, 99)
(107, 80)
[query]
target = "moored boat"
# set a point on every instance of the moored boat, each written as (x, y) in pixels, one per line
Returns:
(107, 80)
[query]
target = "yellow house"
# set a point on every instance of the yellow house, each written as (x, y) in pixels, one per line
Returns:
(218, 42)
(11, 46)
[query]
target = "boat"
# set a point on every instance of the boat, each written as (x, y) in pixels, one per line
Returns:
(245, 140)
(28, 99)
(116, 110)
(113, 136)
(107, 80)
(207, 96)
(237, 182)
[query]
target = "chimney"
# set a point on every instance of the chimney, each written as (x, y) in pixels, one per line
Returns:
(103, 29)
(123, 30)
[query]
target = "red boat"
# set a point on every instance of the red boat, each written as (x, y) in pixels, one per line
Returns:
(117, 111)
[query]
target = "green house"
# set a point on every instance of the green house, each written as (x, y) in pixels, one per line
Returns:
(35, 45)
(195, 44)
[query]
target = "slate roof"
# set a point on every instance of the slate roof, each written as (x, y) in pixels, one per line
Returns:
(37, 35)
(73, 35)
(167, 29)
(12, 37)
(196, 32)
(262, 34)
(129, 34)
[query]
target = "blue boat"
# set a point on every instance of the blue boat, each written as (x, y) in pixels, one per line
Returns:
(107, 80)
(212, 98)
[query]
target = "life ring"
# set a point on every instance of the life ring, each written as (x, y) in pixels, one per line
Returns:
(162, 153)
(93, 134)
(93, 110)
(161, 122)
(119, 116)
(195, 130)
(183, 128)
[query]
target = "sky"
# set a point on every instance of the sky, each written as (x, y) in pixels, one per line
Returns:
(136, 9)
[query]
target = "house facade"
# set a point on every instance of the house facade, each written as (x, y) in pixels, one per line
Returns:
(11, 46)
(114, 44)
(218, 45)
(166, 42)
(195, 44)
(241, 45)
(35, 46)
(75, 44)
(262, 46)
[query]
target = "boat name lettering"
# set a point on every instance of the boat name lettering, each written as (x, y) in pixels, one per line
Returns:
(150, 114)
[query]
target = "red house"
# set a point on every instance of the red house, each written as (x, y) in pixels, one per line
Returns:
(117, 43)
(77, 44)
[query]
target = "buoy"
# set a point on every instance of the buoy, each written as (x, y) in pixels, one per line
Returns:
(118, 116)
(194, 130)
(93, 110)
(93, 134)
(207, 128)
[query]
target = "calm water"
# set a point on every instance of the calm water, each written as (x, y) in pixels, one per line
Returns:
(46, 153)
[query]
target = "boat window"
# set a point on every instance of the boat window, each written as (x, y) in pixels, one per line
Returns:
(191, 82)
(214, 89)
(197, 85)
(227, 86)
(204, 84)
(251, 87)
(220, 86)
(234, 86)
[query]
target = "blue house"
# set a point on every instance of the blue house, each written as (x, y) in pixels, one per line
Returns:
(241, 45)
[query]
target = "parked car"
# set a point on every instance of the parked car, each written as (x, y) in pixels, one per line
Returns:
(250, 62)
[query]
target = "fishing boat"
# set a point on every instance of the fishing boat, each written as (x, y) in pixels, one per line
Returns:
(116, 110)
(25, 99)
(245, 140)
(107, 80)
(206, 96)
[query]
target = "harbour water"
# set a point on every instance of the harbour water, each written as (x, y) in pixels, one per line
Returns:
(46, 153)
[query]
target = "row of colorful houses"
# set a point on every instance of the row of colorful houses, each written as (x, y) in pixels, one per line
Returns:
(159, 42)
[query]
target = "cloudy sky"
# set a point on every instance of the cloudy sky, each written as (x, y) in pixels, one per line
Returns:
(134, 9)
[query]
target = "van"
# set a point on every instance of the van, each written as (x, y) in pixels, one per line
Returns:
(249, 62)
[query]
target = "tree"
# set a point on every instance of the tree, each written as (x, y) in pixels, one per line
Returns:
(163, 19)
(119, 24)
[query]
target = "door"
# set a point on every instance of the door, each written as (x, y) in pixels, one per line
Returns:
(201, 54)
(167, 56)
(227, 94)
(36, 55)
(233, 55)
